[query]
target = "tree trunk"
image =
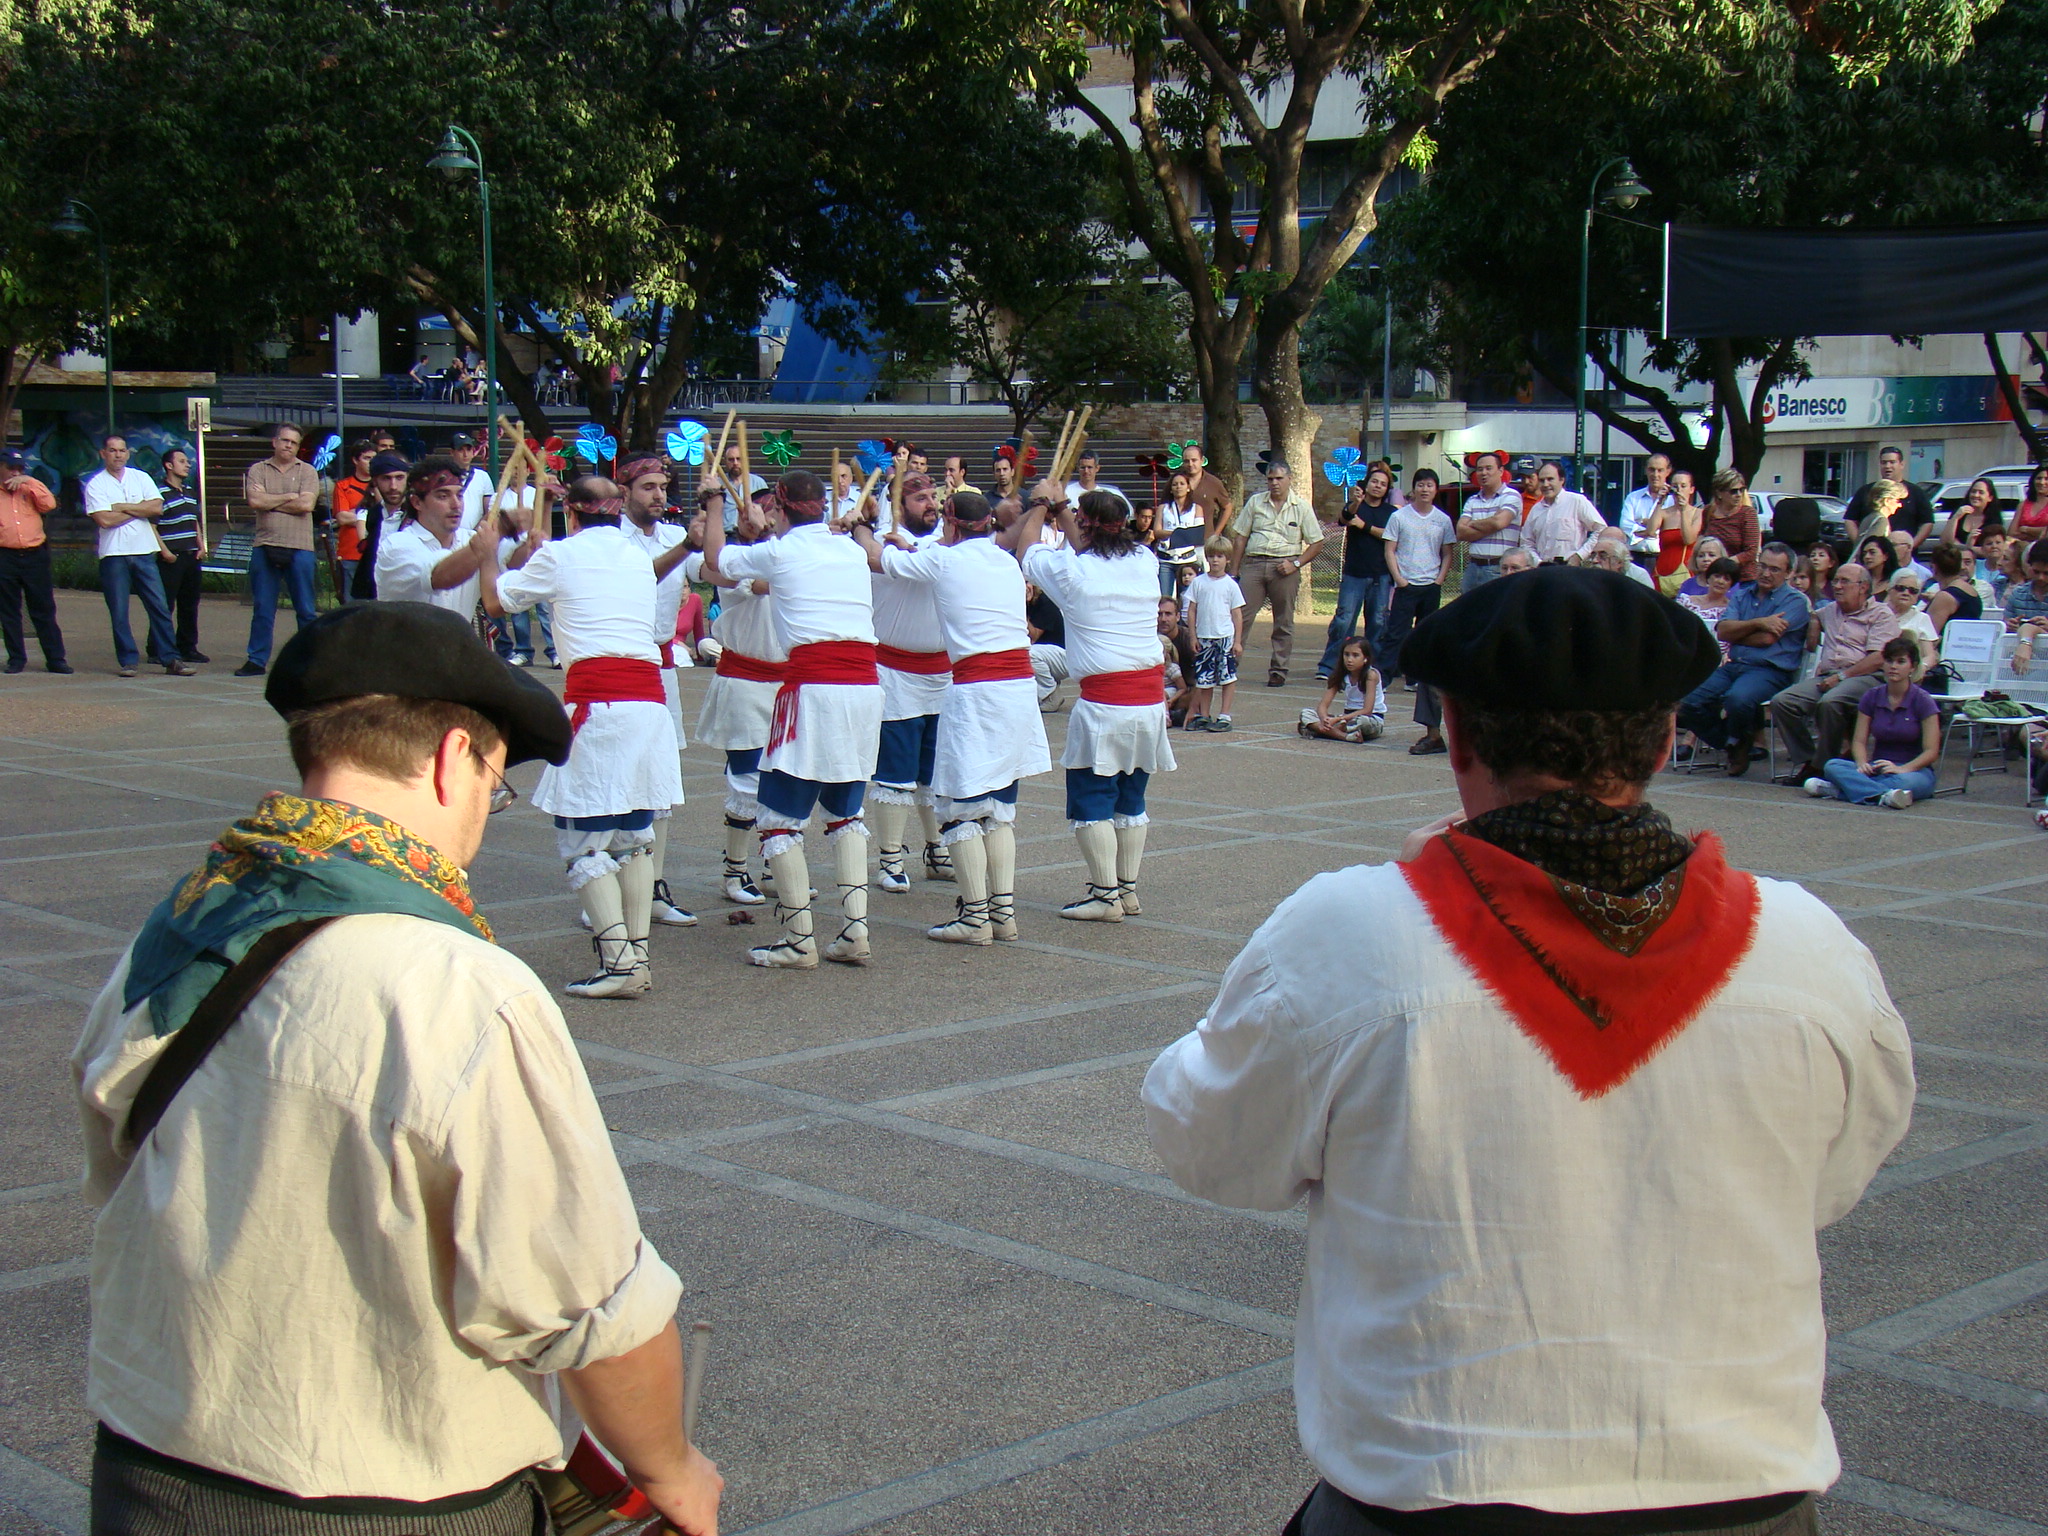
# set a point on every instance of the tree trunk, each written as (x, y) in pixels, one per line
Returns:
(2036, 440)
(11, 357)
(1222, 419)
(1290, 424)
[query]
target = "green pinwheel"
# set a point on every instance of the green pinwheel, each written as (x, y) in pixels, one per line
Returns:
(1176, 452)
(782, 447)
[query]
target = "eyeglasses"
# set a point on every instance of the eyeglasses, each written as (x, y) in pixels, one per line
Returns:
(501, 796)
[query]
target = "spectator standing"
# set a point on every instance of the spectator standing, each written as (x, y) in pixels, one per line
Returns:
(2030, 517)
(1362, 714)
(1215, 609)
(1645, 499)
(1897, 741)
(1731, 518)
(1490, 521)
(1209, 492)
(124, 505)
(1903, 598)
(468, 1231)
(1423, 539)
(178, 528)
(25, 575)
(1765, 629)
(1088, 469)
(281, 490)
(956, 479)
(349, 494)
(1274, 538)
(1854, 630)
(1672, 529)
(1563, 524)
(1184, 531)
(1908, 512)
(378, 514)
(1367, 584)
(1529, 481)
(463, 448)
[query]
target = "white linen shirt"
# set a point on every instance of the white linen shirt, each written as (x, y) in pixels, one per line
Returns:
(1110, 606)
(1563, 528)
(820, 580)
(384, 1204)
(978, 589)
(671, 589)
(406, 558)
(137, 536)
(906, 607)
(1514, 1294)
(599, 587)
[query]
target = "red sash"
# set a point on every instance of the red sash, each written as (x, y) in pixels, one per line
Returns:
(923, 663)
(1146, 685)
(668, 655)
(994, 667)
(822, 661)
(748, 669)
(609, 680)
(1599, 1000)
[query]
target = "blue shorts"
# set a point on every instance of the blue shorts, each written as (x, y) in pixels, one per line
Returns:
(623, 821)
(909, 747)
(1214, 665)
(1097, 797)
(794, 799)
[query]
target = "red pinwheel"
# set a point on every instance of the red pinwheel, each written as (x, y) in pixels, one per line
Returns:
(1153, 464)
(549, 453)
(1024, 467)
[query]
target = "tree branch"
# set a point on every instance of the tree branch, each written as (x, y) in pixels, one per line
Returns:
(1222, 74)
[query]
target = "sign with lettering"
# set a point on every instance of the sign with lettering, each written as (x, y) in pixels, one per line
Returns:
(1858, 404)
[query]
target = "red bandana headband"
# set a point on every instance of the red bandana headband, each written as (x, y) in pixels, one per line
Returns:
(807, 509)
(633, 469)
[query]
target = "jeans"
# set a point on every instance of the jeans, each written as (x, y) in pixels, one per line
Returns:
(1411, 604)
(513, 634)
(269, 569)
(181, 581)
(1725, 708)
(1860, 788)
(1477, 575)
(121, 574)
(25, 579)
(1357, 595)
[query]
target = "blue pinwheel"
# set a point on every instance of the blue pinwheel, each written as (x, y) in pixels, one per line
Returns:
(1345, 469)
(325, 454)
(686, 443)
(872, 453)
(596, 444)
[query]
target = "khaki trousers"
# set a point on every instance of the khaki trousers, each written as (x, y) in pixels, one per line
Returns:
(1260, 577)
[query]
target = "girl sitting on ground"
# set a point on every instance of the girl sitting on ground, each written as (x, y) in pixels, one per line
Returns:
(1356, 685)
(1897, 741)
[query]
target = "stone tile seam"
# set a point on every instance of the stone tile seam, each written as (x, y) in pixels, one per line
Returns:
(43, 1495)
(1930, 1509)
(1969, 1385)
(1931, 1319)
(1971, 1154)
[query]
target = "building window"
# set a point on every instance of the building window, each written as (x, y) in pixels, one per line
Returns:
(1835, 471)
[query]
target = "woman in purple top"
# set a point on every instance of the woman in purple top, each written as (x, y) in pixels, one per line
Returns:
(1897, 741)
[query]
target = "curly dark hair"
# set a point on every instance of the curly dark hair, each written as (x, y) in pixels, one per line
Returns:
(1108, 522)
(1599, 751)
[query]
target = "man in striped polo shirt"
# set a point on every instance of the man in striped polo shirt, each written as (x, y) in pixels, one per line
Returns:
(1490, 521)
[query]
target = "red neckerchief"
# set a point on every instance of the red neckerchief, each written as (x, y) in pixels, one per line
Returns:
(1599, 983)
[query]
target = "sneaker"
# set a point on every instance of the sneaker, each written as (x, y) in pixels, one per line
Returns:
(1220, 723)
(1820, 789)
(180, 669)
(1196, 723)
(518, 661)
(127, 672)
(1897, 799)
(554, 663)
(249, 669)
(666, 911)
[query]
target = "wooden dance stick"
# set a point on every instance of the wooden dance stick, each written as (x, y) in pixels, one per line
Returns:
(693, 1376)
(1066, 431)
(1070, 451)
(718, 458)
(746, 469)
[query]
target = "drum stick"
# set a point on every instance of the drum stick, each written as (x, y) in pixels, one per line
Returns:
(832, 488)
(1059, 453)
(746, 484)
(718, 458)
(867, 490)
(693, 1376)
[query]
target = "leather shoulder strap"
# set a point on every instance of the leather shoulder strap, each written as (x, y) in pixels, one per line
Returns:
(217, 1011)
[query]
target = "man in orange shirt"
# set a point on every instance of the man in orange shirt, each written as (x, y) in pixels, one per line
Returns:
(25, 566)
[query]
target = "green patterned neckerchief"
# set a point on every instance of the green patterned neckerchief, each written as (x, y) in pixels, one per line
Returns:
(295, 858)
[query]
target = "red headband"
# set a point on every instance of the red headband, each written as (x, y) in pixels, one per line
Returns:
(633, 469)
(809, 507)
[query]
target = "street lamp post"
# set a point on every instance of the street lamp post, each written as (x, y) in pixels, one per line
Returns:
(458, 155)
(78, 218)
(1625, 193)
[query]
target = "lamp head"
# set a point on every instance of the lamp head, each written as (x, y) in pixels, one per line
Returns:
(1629, 190)
(71, 221)
(451, 159)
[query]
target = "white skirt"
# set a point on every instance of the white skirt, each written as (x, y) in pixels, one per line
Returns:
(909, 695)
(1109, 739)
(624, 759)
(673, 693)
(990, 736)
(736, 714)
(838, 735)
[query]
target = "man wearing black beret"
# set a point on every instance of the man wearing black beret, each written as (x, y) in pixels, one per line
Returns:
(1567, 1113)
(357, 1196)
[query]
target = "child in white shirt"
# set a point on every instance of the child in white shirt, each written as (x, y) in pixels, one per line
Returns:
(1357, 683)
(1214, 609)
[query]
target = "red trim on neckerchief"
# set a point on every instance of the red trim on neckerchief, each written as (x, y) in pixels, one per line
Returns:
(1596, 1013)
(923, 663)
(609, 680)
(1145, 685)
(994, 667)
(822, 661)
(748, 669)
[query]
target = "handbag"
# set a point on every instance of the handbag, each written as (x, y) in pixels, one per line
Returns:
(1939, 677)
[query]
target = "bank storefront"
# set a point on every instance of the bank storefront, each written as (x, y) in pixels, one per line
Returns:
(1825, 432)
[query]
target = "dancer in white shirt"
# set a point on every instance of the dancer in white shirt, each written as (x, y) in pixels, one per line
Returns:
(910, 659)
(623, 768)
(991, 735)
(828, 714)
(423, 560)
(645, 482)
(1107, 588)
(740, 701)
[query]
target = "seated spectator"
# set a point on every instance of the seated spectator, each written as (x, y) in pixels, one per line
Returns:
(1853, 631)
(1177, 650)
(1903, 598)
(1765, 628)
(1802, 580)
(2027, 602)
(1515, 561)
(1712, 604)
(1610, 553)
(1354, 704)
(1823, 560)
(2012, 570)
(1897, 740)
(1705, 552)
(1875, 554)
(1955, 596)
(1977, 519)
(1988, 567)
(1902, 550)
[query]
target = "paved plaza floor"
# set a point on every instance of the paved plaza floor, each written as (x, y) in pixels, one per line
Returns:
(952, 1290)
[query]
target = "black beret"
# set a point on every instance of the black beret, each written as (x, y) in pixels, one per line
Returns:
(389, 463)
(1563, 638)
(417, 651)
